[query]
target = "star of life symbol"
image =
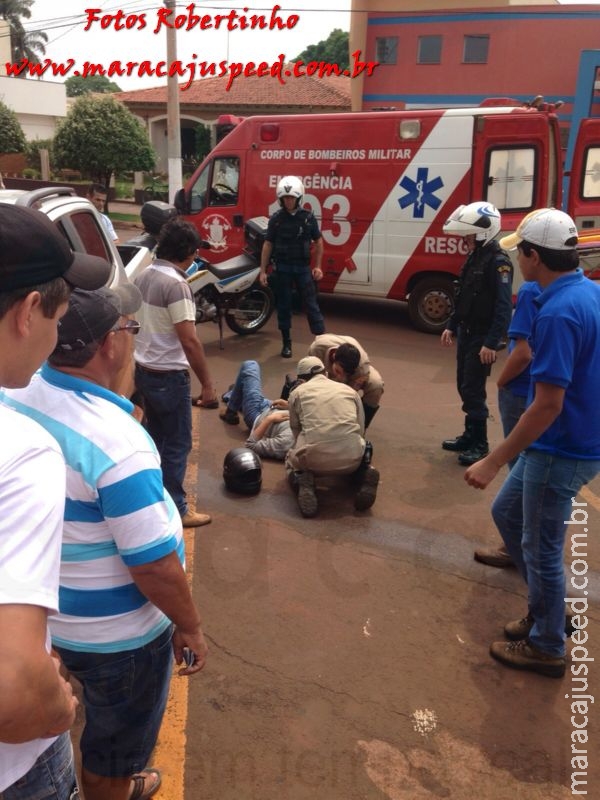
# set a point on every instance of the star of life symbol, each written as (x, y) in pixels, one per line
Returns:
(421, 192)
(216, 227)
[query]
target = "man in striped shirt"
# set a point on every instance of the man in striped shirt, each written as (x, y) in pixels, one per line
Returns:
(165, 351)
(124, 601)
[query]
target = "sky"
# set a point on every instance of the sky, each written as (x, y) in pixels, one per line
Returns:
(64, 23)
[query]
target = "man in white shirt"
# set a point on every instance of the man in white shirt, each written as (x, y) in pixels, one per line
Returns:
(97, 194)
(37, 272)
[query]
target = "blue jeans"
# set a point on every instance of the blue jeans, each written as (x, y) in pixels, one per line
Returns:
(299, 275)
(52, 777)
(511, 407)
(531, 511)
(246, 395)
(168, 408)
(125, 695)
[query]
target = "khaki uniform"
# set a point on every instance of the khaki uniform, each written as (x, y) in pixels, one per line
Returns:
(327, 419)
(366, 380)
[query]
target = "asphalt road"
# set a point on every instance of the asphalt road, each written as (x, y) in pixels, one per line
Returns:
(349, 653)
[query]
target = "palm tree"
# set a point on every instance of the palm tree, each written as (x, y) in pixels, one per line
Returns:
(24, 44)
(15, 9)
(27, 44)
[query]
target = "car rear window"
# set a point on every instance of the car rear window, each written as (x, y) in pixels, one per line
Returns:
(82, 231)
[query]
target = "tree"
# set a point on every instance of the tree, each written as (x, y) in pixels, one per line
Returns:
(77, 85)
(32, 153)
(100, 136)
(24, 44)
(334, 49)
(201, 141)
(12, 138)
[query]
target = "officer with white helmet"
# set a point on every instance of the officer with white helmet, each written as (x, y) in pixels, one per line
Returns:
(290, 232)
(482, 312)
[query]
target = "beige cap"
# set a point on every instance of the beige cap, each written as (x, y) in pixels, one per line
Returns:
(308, 366)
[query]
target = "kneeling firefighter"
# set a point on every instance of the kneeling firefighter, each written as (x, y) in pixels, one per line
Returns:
(482, 313)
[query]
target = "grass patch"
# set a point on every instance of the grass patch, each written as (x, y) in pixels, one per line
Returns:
(115, 215)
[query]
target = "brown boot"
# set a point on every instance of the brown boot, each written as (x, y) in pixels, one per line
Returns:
(194, 519)
(494, 558)
(307, 497)
(523, 655)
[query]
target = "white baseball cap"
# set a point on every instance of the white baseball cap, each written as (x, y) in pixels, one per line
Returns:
(546, 227)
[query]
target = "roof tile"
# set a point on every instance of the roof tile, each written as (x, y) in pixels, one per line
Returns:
(311, 92)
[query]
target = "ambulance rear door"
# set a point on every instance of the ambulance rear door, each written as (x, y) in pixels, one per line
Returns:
(583, 196)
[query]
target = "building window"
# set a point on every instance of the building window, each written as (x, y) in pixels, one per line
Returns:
(429, 50)
(476, 49)
(386, 49)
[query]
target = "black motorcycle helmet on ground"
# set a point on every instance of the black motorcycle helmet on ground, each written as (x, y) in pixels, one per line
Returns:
(242, 471)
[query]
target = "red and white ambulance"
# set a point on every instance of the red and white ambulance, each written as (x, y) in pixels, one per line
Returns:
(382, 185)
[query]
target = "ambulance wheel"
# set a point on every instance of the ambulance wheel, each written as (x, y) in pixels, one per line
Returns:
(430, 304)
(251, 311)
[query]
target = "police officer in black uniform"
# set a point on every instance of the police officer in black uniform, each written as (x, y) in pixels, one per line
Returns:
(290, 232)
(482, 313)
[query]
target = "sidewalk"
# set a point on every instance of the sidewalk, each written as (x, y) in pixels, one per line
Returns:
(125, 207)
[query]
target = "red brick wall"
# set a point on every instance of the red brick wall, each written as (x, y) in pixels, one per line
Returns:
(12, 163)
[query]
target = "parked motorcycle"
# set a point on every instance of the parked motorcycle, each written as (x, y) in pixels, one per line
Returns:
(228, 291)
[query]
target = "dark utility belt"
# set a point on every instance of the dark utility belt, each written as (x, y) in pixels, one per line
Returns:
(161, 371)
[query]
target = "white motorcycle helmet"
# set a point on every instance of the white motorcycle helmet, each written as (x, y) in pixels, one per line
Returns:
(481, 219)
(290, 186)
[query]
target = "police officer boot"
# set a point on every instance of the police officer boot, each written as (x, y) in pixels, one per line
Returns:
(462, 442)
(479, 447)
(286, 350)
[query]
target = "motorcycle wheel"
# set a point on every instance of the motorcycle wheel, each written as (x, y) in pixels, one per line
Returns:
(248, 313)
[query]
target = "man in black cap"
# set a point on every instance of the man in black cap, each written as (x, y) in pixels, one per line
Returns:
(37, 272)
(122, 582)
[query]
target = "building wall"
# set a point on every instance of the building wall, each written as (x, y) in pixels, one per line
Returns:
(39, 105)
(4, 45)
(521, 61)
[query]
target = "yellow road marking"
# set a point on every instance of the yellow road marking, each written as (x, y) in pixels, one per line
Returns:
(169, 754)
(590, 497)
(170, 751)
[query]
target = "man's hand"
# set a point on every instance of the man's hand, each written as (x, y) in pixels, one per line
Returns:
(262, 277)
(280, 403)
(447, 338)
(278, 416)
(359, 383)
(197, 646)
(317, 273)
(208, 395)
(487, 355)
(482, 473)
(67, 719)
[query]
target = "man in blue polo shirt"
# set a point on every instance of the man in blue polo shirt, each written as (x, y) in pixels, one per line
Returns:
(513, 390)
(558, 438)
